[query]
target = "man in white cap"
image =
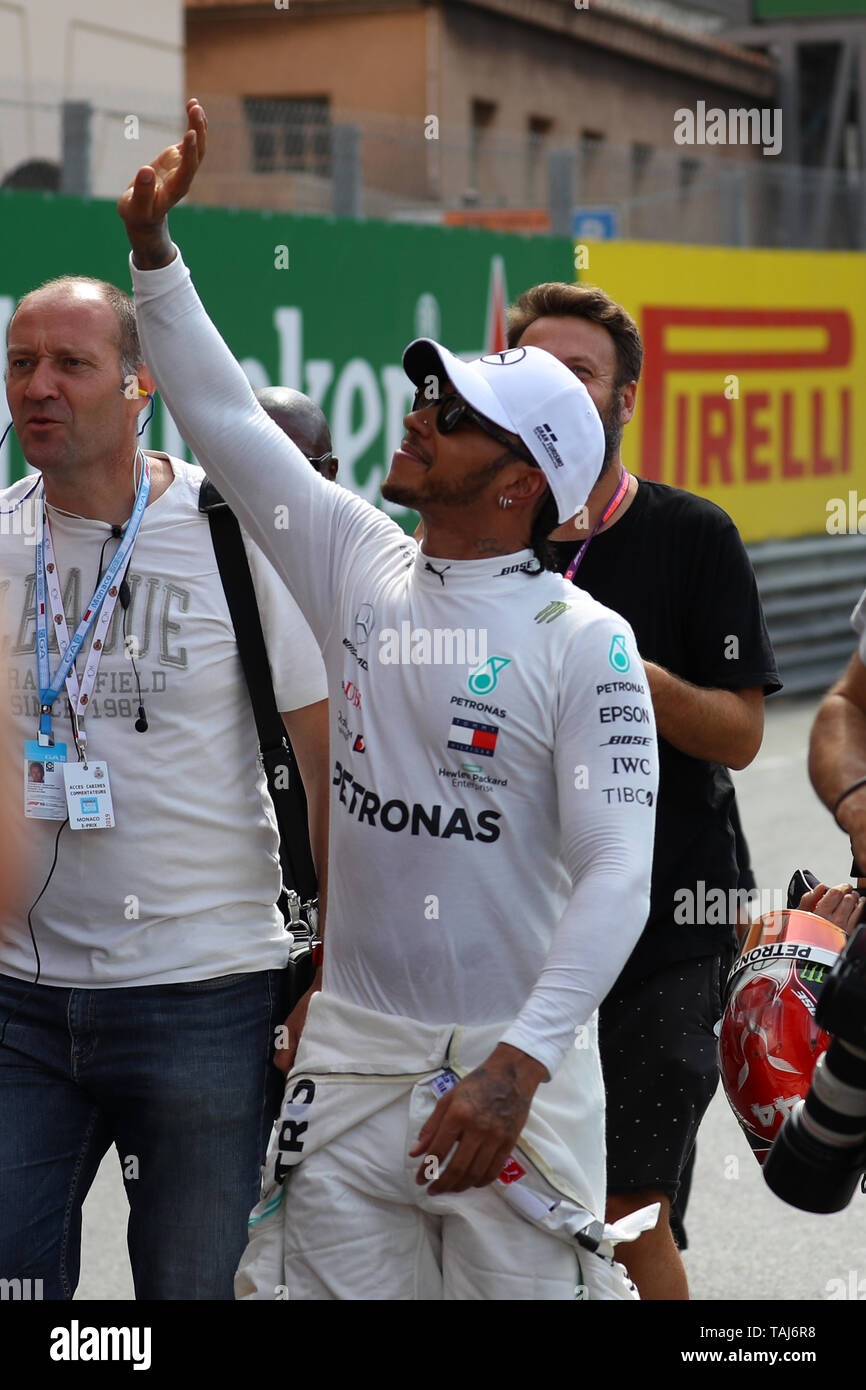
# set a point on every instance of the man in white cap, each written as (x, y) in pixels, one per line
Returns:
(488, 867)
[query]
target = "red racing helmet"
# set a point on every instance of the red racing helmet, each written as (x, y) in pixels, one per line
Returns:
(769, 1041)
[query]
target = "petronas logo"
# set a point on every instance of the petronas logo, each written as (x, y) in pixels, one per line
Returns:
(618, 656)
(483, 679)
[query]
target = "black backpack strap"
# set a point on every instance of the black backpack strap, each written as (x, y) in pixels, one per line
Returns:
(281, 768)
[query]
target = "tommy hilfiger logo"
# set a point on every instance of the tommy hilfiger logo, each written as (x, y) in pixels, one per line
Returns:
(469, 737)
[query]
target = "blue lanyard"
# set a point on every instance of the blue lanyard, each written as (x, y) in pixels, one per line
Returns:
(49, 689)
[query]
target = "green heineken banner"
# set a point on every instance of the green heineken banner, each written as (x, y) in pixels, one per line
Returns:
(323, 305)
(808, 9)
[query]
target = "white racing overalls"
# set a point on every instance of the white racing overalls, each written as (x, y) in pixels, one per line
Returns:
(341, 1215)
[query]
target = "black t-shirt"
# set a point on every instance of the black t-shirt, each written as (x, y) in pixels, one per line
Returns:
(675, 567)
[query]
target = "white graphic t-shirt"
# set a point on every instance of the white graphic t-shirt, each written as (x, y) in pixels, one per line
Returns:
(184, 886)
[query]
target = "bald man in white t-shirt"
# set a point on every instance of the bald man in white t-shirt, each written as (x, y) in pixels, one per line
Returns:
(142, 981)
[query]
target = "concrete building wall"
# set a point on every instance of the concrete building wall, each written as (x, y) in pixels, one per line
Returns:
(123, 58)
(363, 62)
(549, 76)
(368, 66)
(577, 85)
(581, 90)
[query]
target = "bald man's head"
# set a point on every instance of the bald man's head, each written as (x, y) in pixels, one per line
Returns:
(72, 357)
(304, 423)
(81, 288)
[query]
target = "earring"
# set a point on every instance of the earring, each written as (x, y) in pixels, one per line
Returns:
(505, 502)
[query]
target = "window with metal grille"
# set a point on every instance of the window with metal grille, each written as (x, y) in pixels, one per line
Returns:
(288, 133)
(482, 117)
(641, 156)
(591, 146)
(689, 169)
(538, 130)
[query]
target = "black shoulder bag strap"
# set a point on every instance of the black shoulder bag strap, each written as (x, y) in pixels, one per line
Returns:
(281, 768)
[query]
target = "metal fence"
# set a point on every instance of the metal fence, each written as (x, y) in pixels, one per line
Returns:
(309, 157)
(321, 160)
(808, 589)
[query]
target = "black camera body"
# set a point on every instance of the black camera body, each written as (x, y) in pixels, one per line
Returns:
(820, 1151)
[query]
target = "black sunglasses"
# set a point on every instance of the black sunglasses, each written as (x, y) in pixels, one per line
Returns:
(453, 409)
(323, 458)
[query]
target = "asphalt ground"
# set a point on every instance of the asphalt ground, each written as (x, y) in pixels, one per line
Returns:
(744, 1243)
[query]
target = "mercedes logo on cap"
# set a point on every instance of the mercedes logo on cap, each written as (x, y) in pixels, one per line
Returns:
(506, 358)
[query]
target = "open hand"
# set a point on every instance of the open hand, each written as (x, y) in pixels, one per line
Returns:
(158, 187)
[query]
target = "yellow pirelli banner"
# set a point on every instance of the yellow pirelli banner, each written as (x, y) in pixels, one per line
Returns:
(753, 390)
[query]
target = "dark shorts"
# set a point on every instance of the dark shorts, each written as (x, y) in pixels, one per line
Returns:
(658, 1055)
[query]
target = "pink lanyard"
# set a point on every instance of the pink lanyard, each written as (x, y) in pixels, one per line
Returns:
(608, 513)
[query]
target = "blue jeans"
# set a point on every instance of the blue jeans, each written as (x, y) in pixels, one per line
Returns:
(180, 1079)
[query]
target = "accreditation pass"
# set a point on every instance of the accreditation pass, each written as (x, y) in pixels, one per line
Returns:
(43, 781)
(88, 796)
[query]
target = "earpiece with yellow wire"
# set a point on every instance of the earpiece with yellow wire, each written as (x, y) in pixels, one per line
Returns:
(147, 421)
(141, 392)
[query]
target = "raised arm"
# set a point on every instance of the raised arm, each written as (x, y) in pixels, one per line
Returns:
(310, 529)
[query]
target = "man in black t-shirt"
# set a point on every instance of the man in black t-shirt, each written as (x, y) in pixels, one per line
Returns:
(674, 566)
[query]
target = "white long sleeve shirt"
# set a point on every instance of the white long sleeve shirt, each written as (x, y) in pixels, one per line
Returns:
(493, 750)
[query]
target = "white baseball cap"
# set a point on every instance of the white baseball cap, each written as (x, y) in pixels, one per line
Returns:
(532, 394)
